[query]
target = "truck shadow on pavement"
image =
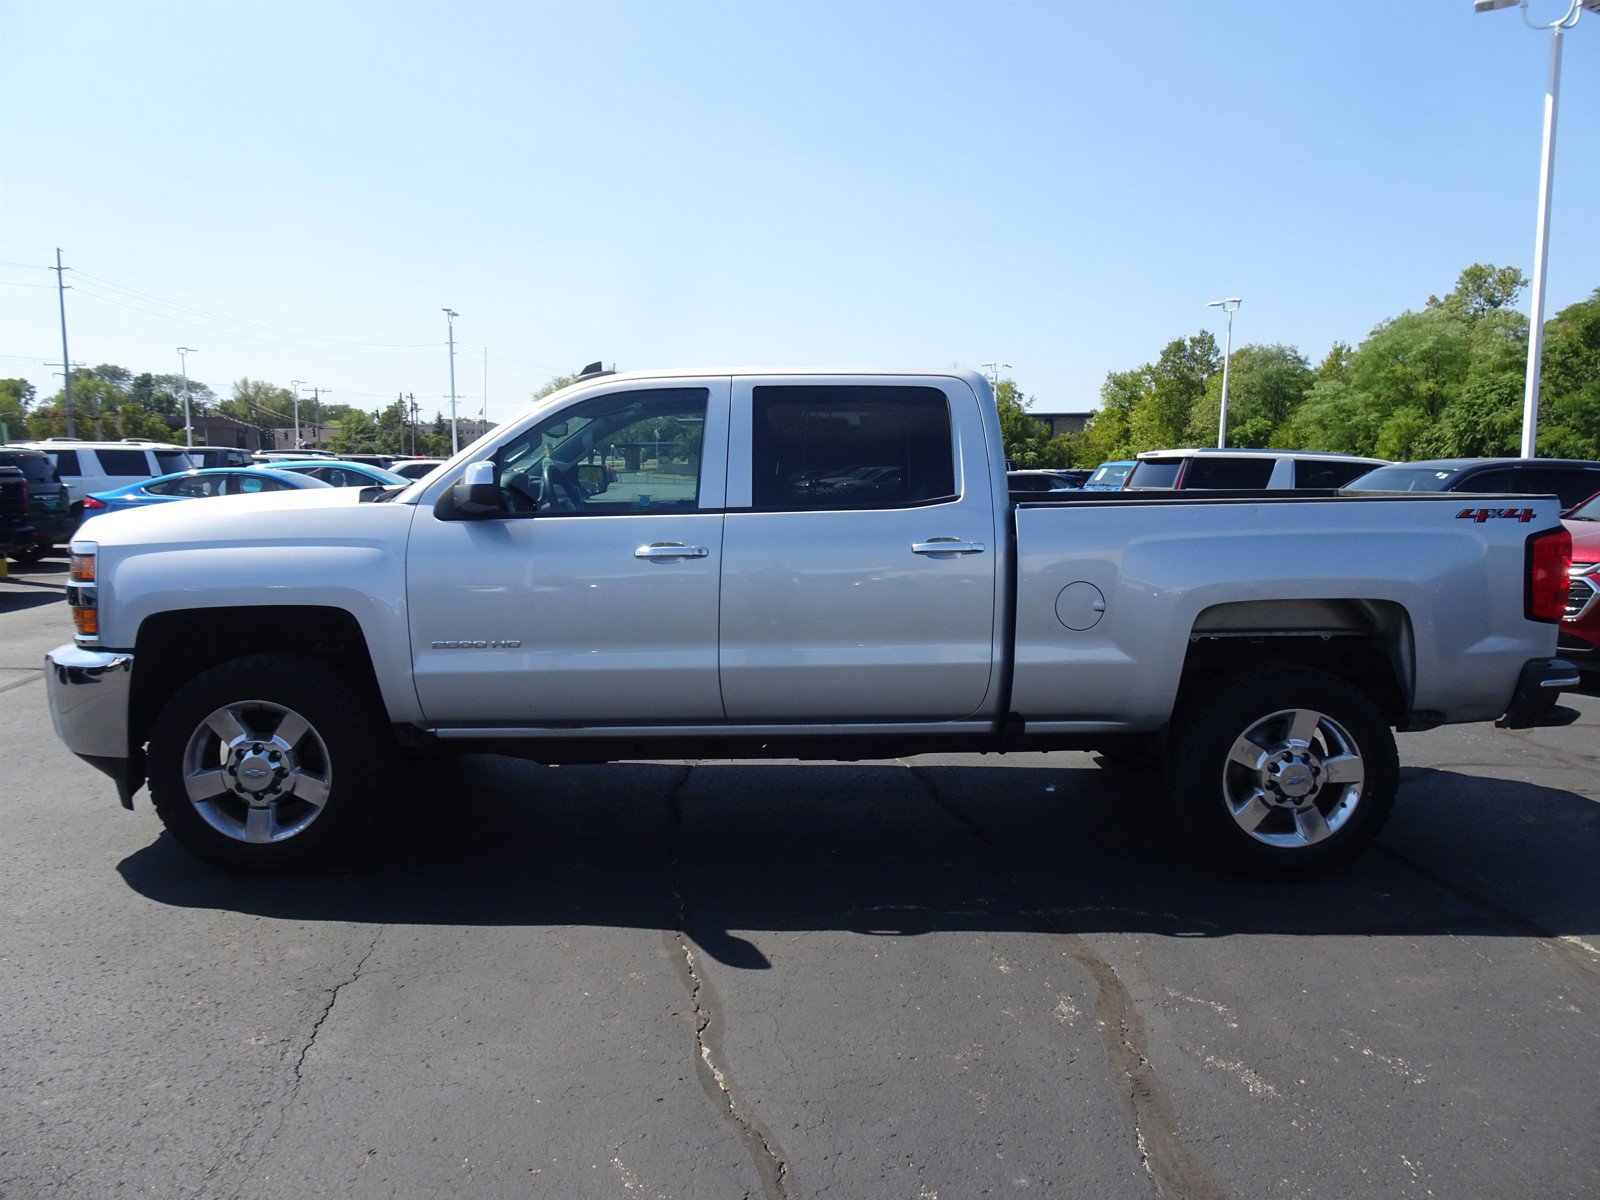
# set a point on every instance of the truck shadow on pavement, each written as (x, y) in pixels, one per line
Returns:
(882, 850)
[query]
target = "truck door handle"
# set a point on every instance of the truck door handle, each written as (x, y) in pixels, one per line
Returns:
(662, 550)
(946, 545)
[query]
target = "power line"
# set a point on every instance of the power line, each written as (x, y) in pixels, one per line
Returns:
(236, 334)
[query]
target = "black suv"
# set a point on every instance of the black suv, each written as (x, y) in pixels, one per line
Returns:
(1569, 480)
(16, 535)
(50, 510)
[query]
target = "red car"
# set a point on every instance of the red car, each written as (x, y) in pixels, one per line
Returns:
(1580, 628)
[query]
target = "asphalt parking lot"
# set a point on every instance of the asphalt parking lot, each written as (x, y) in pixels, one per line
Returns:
(940, 978)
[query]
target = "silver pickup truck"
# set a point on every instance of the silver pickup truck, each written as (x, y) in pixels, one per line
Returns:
(817, 565)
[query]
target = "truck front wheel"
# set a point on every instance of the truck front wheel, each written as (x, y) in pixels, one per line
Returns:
(271, 763)
(1283, 772)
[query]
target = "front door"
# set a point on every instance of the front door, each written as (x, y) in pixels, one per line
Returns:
(858, 577)
(593, 599)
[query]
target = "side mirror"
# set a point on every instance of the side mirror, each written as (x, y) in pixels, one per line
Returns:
(476, 496)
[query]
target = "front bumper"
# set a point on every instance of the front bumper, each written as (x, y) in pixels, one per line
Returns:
(1533, 704)
(89, 691)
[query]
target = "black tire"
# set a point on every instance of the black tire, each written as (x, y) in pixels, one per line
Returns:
(1206, 785)
(30, 555)
(344, 760)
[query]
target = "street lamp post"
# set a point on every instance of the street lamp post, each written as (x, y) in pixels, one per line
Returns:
(1541, 237)
(994, 374)
(450, 316)
(1229, 306)
(188, 425)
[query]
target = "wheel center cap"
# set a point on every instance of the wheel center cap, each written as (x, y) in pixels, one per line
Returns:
(254, 772)
(1290, 777)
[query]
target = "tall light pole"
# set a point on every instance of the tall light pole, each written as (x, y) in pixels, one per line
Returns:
(297, 384)
(188, 425)
(450, 316)
(994, 374)
(1541, 237)
(1229, 306)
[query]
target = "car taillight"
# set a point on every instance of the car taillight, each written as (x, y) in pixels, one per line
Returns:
(90, 504)
(1549, 556)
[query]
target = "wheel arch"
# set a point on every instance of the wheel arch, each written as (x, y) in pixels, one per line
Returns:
(1367, 643)
(173, 647)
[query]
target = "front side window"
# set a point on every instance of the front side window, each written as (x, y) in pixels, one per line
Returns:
(830, 447)
(626, 453)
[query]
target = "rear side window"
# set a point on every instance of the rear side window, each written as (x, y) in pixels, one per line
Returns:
(128, 462)
(173, 460)
(822, 447)
(1325, 473)
(1210, 473)
(1569, 485)
(35, 467)
(1155, 473)
(1490, 481)
(67, 462)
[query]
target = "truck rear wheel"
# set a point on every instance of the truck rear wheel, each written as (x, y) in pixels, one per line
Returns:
(267, 764)
(1285, 772)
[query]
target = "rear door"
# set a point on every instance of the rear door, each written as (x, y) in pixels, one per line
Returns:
(858, 575)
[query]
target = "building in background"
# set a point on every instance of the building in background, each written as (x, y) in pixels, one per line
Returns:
(1063, 422)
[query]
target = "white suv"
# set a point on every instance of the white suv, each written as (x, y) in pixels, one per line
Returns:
(100, 466)
(1247, 470)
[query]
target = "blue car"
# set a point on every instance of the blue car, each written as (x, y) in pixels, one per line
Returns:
(1108, 476)
(193, 485)
(339, 473)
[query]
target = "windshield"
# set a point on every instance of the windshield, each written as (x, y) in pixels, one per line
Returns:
(1589, 510)
(1404, 479)
(1109, 475)
(1155, 473)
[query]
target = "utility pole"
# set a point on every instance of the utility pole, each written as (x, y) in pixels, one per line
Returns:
(412, 397)
(450, 316)
(483, 412)
(188, 425)
(66, 359)
(297, 384)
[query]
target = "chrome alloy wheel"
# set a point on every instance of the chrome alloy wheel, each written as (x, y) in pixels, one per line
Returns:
(256, 771)
(1293, 778)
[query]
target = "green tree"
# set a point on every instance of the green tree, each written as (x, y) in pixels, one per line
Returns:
(1265, 385)
(136, 421)
(1569, 383)
(257, 402)
(1108, 436)
(1178, 381)
(15, 397)
(358, 434)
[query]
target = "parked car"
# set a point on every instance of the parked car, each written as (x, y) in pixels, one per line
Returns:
(1569, 480)
(1109, 476)
(1580, 627)
(416, 468)
(1045, 481)
(50, 509)
(343, 473)
(1211, 469)
(709, 606)
(196, 485)
(218, 456)
(87, 467)
(16, 534)
(269, 457)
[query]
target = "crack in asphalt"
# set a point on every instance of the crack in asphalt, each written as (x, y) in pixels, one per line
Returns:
(1172, 1167)
(772, 1168)
(299, 1071)
(1567, 949)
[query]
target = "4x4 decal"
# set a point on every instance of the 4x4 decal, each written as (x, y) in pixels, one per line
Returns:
(1480, 515)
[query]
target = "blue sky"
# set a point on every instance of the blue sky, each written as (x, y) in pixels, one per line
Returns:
(1058, 186)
